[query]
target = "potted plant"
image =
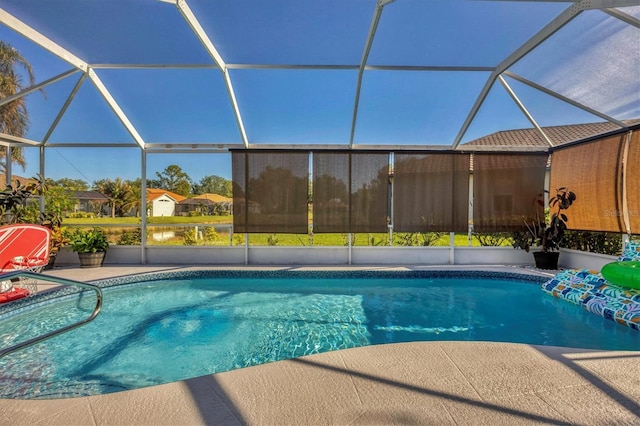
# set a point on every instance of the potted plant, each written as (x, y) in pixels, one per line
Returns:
(58, 237)
(91, 246)
(548, 237)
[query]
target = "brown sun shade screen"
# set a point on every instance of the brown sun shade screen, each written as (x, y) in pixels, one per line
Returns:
(270, 192)
(350, 192)
(369, 192)
(593, 172)
(507, 191)
(633, 183)
(431, 192)
(331, 192)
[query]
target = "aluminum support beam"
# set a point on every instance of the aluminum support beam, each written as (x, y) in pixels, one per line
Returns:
(474, 110)
(206, 42)
(64, 108)
(21, 28)
(589, 4)
(524, 109)
(10, 140)
(551, 28)
(41, 167)
(92, 145)
(377, 13)
(631, 20)
(235, 107)
(197, 29)
(143, 204)
(152, 66)
(605, 4)
(321, 67)
(116, 108)
(8, 166)
(36, 87)
(563, 98)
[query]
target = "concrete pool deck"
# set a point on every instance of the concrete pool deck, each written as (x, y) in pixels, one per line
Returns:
(408, 383)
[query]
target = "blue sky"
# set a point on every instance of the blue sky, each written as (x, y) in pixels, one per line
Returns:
(285, 106)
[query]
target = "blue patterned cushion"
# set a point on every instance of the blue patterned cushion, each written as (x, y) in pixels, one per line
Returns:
(631, 251)
(589, 289)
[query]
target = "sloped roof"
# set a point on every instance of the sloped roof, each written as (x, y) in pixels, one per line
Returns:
(216, 198)
(196, 201)
(558, 135)
(14, 180)
(153, 193)
(90, 195)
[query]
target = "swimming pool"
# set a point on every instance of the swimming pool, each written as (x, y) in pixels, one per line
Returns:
(174, 326)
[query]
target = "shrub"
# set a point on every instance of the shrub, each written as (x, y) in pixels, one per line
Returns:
(189, 237)
(493, 239)
(594, 242)
(272, 240)
(374, 241)
(411, 239)
(81, 215)
(210, 234)
(238, 240)
(131, 238)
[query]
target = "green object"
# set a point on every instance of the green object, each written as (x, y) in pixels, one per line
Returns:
(88, 240)
(624, 274)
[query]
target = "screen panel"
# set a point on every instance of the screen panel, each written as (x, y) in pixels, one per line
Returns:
(369, 192)
(430, 192)
(350, 191)
(270, 192)
(507, 189)
(593, 172)
(331, 192)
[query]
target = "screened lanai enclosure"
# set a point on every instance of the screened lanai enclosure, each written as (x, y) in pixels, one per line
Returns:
(358, 128)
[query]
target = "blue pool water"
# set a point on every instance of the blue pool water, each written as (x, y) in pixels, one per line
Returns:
(163, 330)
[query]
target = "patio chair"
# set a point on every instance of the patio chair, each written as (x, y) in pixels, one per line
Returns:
(22, 246)
(589, 289)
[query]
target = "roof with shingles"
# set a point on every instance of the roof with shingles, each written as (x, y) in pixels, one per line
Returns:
(14, 180)
(90, 195)
(153, 193)
(216, 198)
(558, 135)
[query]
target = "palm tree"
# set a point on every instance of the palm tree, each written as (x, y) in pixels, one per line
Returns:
(14, 118)
(117, 191)
(134, 201)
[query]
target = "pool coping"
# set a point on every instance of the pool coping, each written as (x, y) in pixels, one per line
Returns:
(419, 383)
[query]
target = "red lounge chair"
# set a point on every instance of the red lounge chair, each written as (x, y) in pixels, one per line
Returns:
(22, 246)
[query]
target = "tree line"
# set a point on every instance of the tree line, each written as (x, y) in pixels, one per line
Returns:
(173, 179)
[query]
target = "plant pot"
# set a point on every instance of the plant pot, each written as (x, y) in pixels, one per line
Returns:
(91, 260)
(52, 261)
(546, 259)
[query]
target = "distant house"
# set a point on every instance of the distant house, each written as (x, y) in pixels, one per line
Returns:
(162, 202)
(14, 181)
(90, 202)
(205, 204)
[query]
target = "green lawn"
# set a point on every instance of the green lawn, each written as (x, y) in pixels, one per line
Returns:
(160, 220)
(115, 226)
(373, 239)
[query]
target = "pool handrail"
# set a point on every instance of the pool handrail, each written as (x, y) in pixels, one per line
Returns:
(57, 280)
